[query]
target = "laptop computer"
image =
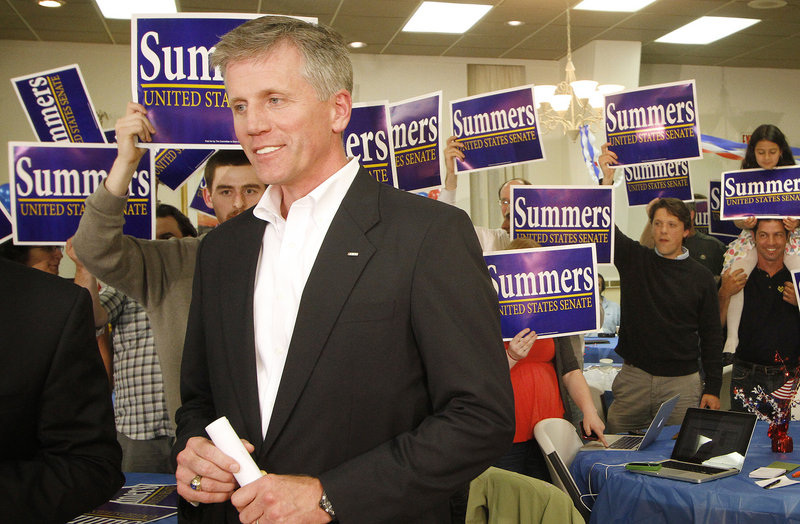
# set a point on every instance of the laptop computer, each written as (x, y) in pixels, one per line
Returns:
(711, 445)
(636, 442)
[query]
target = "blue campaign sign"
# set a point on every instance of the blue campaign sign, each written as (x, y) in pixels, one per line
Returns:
(172, 77)
(701, 216)
(645, 182)
(550, 290)
(49, 183)
(497, 129)
(367, 137)
(175, 166)
(565, 215)
(724, 230)
(58, 106)
(415, 140)
(654, 124)
(198, 203)
(795, 278)
(761, 193)
(6, 230)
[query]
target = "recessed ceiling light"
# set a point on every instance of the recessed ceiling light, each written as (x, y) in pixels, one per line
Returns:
(357, 45)
(515, 23)
(626, 6)
(766, 4)
(123, 9)
(706, 29)
(443, 17)
(51, 3)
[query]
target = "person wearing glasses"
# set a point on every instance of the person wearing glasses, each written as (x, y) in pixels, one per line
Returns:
(490, 239)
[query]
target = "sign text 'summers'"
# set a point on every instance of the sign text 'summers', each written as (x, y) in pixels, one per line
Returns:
(69, 182)
(650, 116)
(494, 121)
(575, 280)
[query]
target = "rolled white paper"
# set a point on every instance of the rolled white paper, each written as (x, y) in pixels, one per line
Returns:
(225, 438)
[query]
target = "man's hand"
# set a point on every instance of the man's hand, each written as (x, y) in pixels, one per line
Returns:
(281, 498)
(790, 223)
(788, 293)
(216, 469)
(746, 223)
(453, 150)
(133, 125)
(710, 401)
(606, 159)
(732, 282)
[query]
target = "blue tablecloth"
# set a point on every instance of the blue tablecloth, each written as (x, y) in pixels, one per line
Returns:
(623, 496)
(600, 347)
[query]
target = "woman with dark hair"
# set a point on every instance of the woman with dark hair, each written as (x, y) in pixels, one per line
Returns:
(43, 258)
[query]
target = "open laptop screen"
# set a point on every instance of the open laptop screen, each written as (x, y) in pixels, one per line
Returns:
(722, 436)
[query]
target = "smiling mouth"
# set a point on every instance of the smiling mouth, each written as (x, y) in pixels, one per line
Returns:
(267, 149)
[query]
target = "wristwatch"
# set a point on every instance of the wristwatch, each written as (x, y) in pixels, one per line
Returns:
(326, 505)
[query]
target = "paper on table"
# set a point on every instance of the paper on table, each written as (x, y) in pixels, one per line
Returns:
(731, 460)
(225, 438)
(766, 473)
(782, 482)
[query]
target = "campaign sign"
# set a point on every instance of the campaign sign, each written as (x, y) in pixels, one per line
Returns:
(724, 230)
(565, 215)
(497, 129)
(198, 203)
(175, 166)
(6, 231)
(415, 140)
(761, 193)
(58, 106)
(367, 137)
(795, 278)
(645, 182)
(701, 213)
(550, 290)
(654, 124)
(49, 183)
(173, 78)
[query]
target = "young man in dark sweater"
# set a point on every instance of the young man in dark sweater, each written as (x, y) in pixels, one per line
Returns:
(670, 316)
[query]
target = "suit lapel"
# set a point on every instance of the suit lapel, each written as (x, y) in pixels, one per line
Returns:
(335, 272)
(236, 307)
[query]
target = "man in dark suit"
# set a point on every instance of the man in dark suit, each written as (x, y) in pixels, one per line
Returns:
(348, 330)
(59, 454)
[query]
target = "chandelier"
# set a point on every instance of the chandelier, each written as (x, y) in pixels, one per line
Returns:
(573, 103)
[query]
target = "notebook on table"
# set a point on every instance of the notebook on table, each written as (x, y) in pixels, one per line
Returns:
(711, 445)
(636, 442)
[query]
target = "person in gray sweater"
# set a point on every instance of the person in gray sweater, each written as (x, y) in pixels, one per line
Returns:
(157, 273)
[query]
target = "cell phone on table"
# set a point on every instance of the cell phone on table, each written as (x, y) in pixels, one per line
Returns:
(591, 436)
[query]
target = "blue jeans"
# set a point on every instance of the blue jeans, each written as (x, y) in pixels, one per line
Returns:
(747, 376)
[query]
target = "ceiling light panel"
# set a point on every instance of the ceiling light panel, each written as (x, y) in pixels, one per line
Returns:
(443, 17)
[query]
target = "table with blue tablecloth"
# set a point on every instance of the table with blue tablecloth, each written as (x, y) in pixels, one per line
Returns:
(596, 348)
(623, 496)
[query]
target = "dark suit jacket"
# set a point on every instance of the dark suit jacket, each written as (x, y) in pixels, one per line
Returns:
(396, 389)
(59, 454)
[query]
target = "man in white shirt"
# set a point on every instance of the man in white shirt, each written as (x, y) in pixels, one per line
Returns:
(370, 384)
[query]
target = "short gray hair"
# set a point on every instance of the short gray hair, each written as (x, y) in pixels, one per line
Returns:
(327, 62)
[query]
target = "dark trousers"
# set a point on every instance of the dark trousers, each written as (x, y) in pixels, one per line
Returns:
(525, 458)
(747, 376)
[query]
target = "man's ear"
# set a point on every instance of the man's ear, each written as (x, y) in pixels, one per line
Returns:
(207, 198)
(685, 233)
(341, 107)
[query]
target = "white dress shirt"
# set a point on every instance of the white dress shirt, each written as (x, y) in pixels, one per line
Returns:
(288, 251)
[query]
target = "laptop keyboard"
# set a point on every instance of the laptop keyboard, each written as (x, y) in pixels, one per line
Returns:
(695, 468)
(629, 442)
